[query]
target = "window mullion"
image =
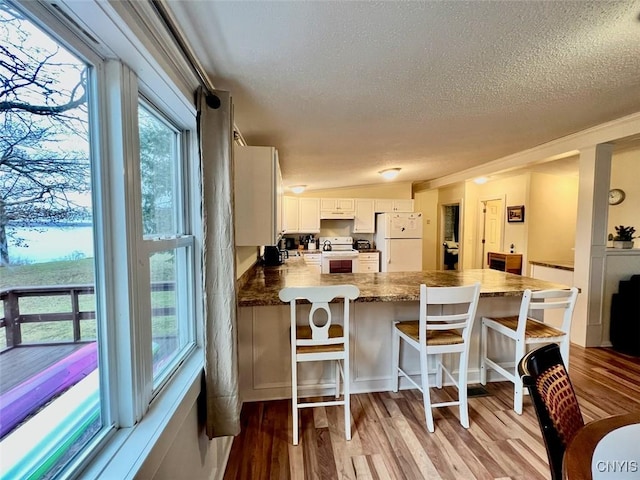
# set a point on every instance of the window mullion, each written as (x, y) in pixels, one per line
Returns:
(125, 312)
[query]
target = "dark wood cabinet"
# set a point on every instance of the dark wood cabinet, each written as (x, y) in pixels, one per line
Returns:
(505, 262)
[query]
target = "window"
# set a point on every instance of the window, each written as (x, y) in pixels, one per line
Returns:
(168, 247)
(50, 399)
(97, 250)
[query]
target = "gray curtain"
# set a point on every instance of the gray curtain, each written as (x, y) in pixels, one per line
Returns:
(215, 134)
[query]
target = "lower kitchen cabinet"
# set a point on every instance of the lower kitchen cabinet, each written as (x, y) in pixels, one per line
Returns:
(313, 260)
(369, 262)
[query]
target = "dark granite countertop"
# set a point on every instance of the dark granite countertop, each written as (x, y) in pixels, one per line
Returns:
(553, 264)
(260, 285)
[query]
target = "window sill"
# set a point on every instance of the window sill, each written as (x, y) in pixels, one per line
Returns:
(129, 449)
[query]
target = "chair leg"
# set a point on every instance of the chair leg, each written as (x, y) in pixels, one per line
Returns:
(483, 354)
(564, 351)
(294, 400)
(439, 370)
(462, 389)
(337, 378)
(518, 388)
(426, 395)
(346, 382)
(395, 357)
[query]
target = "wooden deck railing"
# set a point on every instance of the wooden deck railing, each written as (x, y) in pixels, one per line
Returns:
(12, 319)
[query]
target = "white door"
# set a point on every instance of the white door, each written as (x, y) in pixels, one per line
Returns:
(402, 255)
(492, 228)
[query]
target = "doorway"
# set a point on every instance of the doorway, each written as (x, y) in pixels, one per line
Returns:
(491, 228)
(450, 236)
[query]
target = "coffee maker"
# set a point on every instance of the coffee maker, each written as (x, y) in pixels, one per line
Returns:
(274, 256)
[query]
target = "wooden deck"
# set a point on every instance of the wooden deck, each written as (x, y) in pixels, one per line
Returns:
(21, 363)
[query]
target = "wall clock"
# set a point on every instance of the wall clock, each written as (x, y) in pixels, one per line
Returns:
(616, 196)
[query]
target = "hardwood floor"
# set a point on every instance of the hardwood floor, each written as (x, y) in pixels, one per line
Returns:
(390, 439)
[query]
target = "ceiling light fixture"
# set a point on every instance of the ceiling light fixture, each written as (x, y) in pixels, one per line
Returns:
(389, 173)
(298, 188)
(480, 180)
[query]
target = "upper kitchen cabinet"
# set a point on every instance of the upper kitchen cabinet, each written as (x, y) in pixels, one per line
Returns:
(301, 215)
(258, 196)
(290, 214)
(390, 205)
(309, 215)
(365, 216)
(335, 208)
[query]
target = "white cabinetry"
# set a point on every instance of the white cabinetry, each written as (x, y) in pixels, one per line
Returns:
(383, 205)
(365, 216)
(301, 215)
(368, 262)
(258, 196)
(290, 214)
(313, 260)
(336, 208)
(309, 215)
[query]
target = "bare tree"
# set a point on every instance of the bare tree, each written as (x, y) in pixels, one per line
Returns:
(44, 158)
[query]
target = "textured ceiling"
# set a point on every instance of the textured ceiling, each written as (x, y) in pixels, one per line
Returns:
(344, 89)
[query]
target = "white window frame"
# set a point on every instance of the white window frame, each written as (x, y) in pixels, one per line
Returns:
(136, 415)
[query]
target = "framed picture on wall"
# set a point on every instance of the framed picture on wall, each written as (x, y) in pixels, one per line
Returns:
(515, 214)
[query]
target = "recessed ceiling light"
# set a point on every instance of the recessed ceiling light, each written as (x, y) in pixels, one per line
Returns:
(389, 173)
(480, 180)
(298, 188)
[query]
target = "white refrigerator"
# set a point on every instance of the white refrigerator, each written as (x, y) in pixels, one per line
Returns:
(399, 240)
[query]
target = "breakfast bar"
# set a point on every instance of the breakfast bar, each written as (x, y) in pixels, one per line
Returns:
(263, 322)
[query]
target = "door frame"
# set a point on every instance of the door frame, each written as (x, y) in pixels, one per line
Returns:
(480, 253)
(440, 250)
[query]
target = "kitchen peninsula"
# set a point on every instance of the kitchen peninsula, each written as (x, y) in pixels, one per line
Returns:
(263, 321)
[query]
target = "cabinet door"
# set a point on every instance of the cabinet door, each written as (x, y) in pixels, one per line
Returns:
(403, 205)
(365, 217)
(291, 213)
(309, 216)
(337, 204)
(383, 205)
(257, 196)
(345, 204)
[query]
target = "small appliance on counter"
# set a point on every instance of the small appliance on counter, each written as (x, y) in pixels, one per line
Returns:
(362, 245)
(274, 256)
(290, 243)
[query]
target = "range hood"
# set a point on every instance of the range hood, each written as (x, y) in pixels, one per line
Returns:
(330, 215)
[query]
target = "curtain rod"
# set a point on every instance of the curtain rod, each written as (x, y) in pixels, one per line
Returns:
(192, 60)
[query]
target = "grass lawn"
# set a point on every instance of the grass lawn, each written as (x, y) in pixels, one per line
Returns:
(75, 272)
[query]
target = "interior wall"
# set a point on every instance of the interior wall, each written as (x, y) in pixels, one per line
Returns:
(551, 216)
(245, 258)
(470, 257)
(427, 202)
(399, 190)
(625, 171)
(516, 192)
(192, 455)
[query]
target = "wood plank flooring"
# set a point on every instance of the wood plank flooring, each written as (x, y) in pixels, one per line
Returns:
(390, 439)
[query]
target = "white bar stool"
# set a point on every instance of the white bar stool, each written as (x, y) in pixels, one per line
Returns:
(524, 330)
(437, 334)
(313, 342)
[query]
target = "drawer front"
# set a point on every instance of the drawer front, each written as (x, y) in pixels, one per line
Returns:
(368, 267)
(371, 257)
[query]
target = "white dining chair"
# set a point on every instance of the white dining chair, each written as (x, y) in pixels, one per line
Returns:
(524, 330)
(319, 338)
(444, 327)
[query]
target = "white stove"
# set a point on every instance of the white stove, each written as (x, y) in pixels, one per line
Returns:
(341, 258)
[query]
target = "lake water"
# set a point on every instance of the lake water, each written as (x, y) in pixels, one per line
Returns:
(51, 243)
